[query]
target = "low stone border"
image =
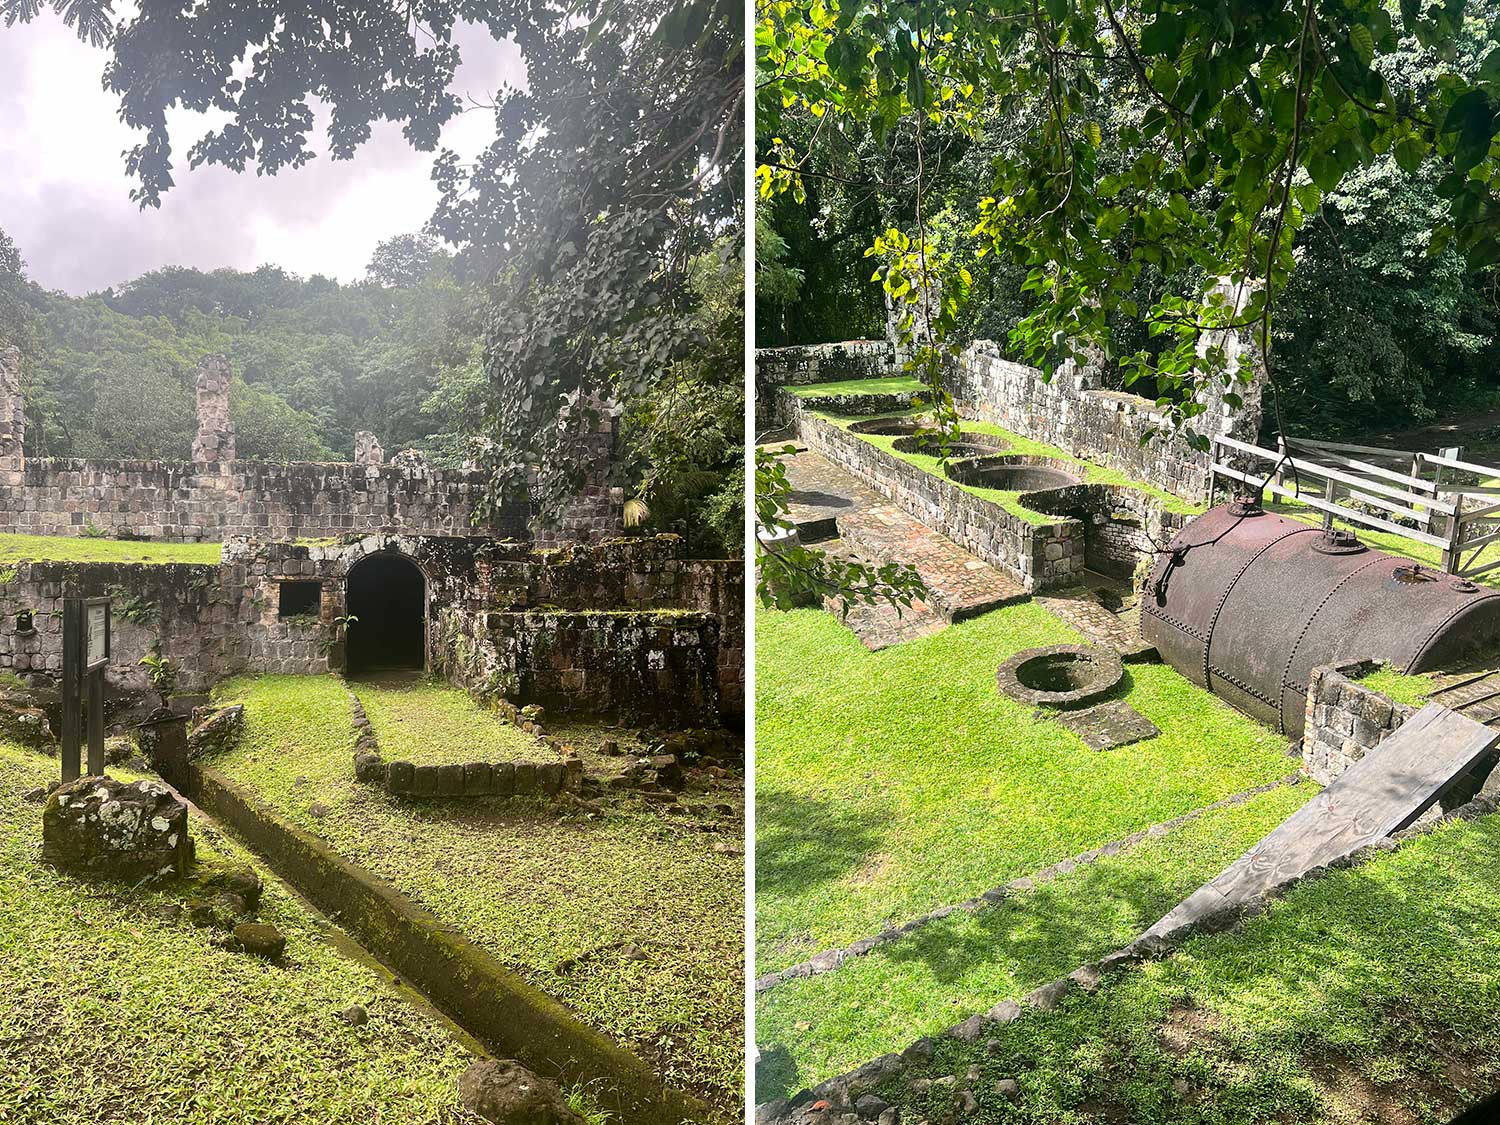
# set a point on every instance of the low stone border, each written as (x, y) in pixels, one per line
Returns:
(831, 959)
(469, 779)
(506, 1013)
(838, 1094)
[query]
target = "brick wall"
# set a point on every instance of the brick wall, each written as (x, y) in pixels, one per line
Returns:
(816, 363)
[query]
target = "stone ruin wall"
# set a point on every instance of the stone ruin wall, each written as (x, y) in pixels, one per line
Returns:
(215, 497)
(215, 621)
(1073, 412)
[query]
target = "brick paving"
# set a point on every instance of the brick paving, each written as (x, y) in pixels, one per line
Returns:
(1105, 611)
(877, 531)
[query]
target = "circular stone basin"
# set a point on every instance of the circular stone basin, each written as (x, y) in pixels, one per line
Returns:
(1012, 474)
(970, 443)
(1064, 676)
(886, 427)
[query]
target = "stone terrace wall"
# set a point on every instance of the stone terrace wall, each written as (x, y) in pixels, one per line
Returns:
(180, 501)
(1102, 426)
(1039, 556)
(1345, 720)
(217, 621)
(816, 363)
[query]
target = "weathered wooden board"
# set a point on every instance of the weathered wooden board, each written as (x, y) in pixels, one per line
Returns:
(1383, 792)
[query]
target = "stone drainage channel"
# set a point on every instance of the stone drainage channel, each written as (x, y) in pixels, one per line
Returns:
(493, 1004)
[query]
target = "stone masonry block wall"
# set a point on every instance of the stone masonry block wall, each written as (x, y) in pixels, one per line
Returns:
(1106, 427)
(655, 665)
(181, 502)
(816, 363)
(1041, 556)
(1345, 720)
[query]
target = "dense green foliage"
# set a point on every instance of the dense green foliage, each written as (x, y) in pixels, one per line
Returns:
(614, 167)
(112, 374)
(1074, 174)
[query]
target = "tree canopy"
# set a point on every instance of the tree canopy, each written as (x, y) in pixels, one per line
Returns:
(1118, 159)
(612, 170)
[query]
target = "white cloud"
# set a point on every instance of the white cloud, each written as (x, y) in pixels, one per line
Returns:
(66, 198)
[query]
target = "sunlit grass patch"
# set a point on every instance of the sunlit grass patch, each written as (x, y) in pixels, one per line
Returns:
(430, 722)
(110, 1012)
(891, 783)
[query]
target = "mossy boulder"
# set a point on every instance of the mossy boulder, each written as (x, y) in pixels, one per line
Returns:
(101, 828)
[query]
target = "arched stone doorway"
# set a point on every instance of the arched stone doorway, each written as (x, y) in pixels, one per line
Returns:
(386, 593)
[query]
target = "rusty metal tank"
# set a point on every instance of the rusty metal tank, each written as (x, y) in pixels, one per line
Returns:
(1246, 603)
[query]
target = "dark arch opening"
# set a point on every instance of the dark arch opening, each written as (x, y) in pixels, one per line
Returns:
(387, 598)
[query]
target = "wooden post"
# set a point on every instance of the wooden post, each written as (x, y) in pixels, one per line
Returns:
(96, 722)
(72, 676)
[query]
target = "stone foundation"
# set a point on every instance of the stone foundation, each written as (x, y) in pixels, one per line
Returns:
(1345, 720)
(217, 621)
(816, 363)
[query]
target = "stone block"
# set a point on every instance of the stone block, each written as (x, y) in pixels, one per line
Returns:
(503, 778)
(424, 781)
(549, 777)
(477, 779)
(101, 828)
(450, 781)
(525, 782)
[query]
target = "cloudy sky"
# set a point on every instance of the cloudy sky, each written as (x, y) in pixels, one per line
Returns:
(65, 198)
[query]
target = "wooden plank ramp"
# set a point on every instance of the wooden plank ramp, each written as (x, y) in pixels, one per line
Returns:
(1383, 792)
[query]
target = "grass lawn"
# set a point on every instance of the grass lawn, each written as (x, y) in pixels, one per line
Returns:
(534, 884)
(110, 1013)
(814, 1028)
(894, 782)
(430, 722)
(1367, 995)
(63, 548)
(888, 384)
(1010, 500)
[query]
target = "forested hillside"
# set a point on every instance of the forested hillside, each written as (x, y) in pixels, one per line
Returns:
(111, 374)
(399, 353)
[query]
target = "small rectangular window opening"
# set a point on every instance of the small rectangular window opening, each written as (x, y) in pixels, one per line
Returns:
(300, 599)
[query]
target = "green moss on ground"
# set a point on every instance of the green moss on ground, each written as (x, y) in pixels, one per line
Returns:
(108, 1012)
(891, 783)
(59, 548)
(1009, 500)
(430, 722)
(1398, 686)
(535, 884)
(1368, 994)
(815, 1028)
(885, 384)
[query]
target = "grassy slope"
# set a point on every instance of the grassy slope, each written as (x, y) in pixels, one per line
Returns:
(1374, 984)
(433, 723)
(109, 1013)
(966, 963)
(60, 548)
(894, 782)
(532, 885)
(890, 384)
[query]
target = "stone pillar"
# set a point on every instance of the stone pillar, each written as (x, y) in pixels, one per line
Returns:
(367, 450)
(12, 410)
(598, 510)
(1220, 417)
(215, 440)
